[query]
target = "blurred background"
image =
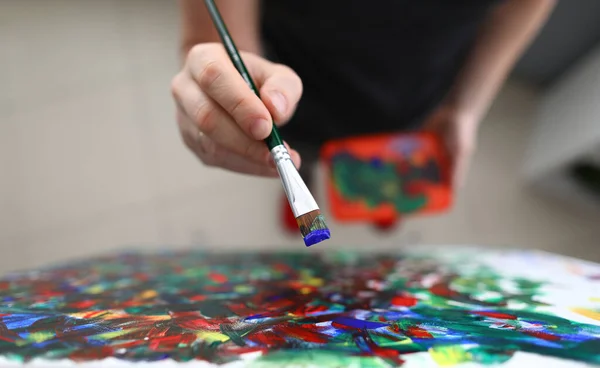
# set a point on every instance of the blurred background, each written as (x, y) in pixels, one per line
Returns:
(91, 160)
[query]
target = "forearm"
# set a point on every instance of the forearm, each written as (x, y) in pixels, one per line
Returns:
(241, 16)
(503, 38)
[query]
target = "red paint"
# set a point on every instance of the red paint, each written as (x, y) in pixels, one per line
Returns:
(315, 309)
(50, 293)
(141, 276)
(542, 335)
(157, 332)
(93, 314)
(418, 332)
(267, 338)
(441, 289)
(128, 304)
(218, 288)
(130, 344)
(170, 342)
(382, 352)
(192, 321)
(302, 333)
(219, 278)
(197, 298)
(395, 328)
(92, 353)
(404, 301)
(496, 315)
(83, 304)
(241, 309)
(282, 267)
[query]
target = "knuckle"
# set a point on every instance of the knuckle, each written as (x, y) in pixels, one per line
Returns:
(240, 103)
(204, 117)
(210, 73)
(251, 150)
(207, 160)
(209, 147)
(293, 77)
(189, 142)
(197, 51)
(176, 86)
(298, 83)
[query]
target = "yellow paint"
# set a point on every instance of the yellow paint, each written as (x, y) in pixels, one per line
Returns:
(211, 336)
(96, 289)
(40, 336)
(595, 299)
(389, 190)
(242, 289)
(390, 343)
(148, 294)
(406, 341)
(114, 334)
(305, 290)
(314, 281)
(587, 313)
(449, 355)
(81, 315)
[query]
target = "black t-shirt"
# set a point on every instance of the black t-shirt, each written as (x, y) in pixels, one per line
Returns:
(372, 66)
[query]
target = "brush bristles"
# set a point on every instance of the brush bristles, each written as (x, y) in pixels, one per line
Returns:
(313, 228)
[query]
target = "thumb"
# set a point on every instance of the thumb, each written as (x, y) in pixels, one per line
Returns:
(281, 92)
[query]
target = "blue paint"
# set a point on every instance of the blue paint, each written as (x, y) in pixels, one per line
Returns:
(255, 317)
(362, 344)
(317, 236)
(377, 162)
(17, 321)
(358, 323)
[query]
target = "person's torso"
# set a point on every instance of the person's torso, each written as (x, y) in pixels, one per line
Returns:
(372, 66)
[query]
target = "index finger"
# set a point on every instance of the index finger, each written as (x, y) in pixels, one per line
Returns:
(218, 79)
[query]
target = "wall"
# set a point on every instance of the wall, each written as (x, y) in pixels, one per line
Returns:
(91, 161)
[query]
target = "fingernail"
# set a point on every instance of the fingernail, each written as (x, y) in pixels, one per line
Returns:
(260, 129)
(279, 102)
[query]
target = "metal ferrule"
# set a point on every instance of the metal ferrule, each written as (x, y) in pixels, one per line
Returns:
(300, 198)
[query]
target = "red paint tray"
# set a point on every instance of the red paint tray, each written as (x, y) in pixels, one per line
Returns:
(385, 177)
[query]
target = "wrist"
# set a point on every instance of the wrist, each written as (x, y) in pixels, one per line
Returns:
(465, 114)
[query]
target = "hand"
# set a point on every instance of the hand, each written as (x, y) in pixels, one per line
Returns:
(459, 132)
(222, 120)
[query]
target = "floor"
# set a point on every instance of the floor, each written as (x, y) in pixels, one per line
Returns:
(91, 161)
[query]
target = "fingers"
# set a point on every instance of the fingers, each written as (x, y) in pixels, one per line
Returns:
(213, 121)
(213, 98)
(218, 79)
(214, 155)
(281, 92)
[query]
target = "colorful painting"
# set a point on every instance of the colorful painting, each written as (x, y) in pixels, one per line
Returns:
(385, 176)
(433, 308)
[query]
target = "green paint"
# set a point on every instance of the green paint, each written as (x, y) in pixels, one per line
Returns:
(318, 224)
(315, 358)
(375, 185)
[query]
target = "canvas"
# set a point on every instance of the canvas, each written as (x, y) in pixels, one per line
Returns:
(429, 308)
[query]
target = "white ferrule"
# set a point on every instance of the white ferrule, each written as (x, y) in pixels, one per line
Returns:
(300, 198)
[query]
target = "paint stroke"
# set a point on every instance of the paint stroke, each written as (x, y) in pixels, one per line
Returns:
(326, 309)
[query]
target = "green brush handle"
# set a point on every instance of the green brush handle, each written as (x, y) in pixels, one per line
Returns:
(273, 139)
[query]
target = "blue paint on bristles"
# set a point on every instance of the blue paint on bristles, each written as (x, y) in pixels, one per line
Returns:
(316, 236)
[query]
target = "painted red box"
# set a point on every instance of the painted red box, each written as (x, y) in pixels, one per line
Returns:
(384, 177)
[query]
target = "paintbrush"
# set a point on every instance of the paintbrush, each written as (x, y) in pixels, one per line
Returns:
(310, 221)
